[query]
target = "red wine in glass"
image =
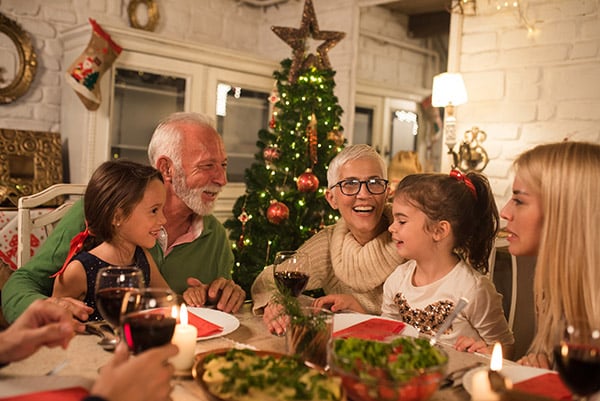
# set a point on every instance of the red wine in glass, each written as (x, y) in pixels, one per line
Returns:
(577, 359)
(579, 367)
(109, 301)
(290, 271)
(144, 330)
(148, 318)
(295, 282)
(112, 283)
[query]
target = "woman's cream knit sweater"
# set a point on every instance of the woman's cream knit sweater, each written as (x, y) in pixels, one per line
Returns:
(340, 265)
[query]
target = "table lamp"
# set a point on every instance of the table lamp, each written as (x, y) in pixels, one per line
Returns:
(449, 91)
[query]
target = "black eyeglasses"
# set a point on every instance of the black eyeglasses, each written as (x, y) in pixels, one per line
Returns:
(375, 186)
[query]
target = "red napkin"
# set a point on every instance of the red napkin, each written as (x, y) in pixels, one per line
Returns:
(205, 328)
(372, 329)
(547, 385)
(63, 394)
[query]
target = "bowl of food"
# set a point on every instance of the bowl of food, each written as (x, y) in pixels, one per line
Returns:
(247, 375)
(406, 368)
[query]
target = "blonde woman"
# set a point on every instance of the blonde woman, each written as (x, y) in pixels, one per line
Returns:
(554, 213)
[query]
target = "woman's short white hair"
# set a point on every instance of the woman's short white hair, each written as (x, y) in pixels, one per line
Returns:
(166, 139)
(350, 153)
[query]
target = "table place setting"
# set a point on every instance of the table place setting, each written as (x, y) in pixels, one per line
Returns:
(513, 382)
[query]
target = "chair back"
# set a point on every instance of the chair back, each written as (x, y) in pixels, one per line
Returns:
(46, 221)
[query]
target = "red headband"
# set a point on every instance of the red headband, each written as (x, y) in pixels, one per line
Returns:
(457, 175)
(76, 245)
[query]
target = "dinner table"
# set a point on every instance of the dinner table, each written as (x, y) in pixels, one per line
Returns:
(78, 364)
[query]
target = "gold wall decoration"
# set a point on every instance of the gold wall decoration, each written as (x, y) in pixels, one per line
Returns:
(25, 71)
(29, 162)
(152, 10)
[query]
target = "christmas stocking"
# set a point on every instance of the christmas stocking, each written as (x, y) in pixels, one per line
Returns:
(85, 72)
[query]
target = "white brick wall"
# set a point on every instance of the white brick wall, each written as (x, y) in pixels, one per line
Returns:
(525, 90)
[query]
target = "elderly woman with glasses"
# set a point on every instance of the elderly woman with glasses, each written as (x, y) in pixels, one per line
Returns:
(353, 256)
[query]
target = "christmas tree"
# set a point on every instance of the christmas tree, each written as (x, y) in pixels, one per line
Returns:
(284, 203)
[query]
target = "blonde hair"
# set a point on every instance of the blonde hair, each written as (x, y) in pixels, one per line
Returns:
(567, 278)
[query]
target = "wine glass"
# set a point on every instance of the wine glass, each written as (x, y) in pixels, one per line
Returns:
(112, 283)
(577, 359)
(290, 271)
(148, 318)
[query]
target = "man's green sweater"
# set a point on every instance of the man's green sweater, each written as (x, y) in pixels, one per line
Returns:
(206, 258)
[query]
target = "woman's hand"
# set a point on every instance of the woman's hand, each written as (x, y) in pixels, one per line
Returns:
(275, 320)
(468, 344)
(535, 360)
(143, 377)
(339, 302)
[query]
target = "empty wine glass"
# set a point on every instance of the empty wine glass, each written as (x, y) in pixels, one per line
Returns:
(290, 271)
(577, 359)
(112, 283)
(148, 318)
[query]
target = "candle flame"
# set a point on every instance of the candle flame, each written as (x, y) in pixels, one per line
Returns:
(496, 362)
(183, 315)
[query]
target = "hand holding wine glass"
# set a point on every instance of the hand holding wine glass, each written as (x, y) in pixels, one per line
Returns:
(290, 271)
(148, 318)
(577, 359)
(112, 283)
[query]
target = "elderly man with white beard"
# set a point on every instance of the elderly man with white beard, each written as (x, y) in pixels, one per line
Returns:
(193, 253)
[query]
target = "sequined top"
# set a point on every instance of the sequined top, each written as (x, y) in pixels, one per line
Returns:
(427, 306)
(92, 264)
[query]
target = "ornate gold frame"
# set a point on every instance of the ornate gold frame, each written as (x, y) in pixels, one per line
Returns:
(29, 162)
(152, 14)
(27, 60)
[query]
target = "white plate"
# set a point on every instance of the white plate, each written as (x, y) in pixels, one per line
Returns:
(345, 320)
(516, 374)
(228, 322)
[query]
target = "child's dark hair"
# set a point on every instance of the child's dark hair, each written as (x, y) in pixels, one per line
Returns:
(115, 185)
(469, 208)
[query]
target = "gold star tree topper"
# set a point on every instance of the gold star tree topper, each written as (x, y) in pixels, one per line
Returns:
(297, 39)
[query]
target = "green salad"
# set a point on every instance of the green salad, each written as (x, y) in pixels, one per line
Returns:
(398, 360)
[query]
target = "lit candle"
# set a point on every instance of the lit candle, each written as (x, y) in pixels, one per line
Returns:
(185, 338)
(481, 385)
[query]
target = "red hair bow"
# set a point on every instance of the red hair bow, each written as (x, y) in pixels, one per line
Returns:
(76, 246)
(457, 175)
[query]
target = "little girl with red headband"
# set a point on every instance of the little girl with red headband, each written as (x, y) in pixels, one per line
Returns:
(445, 226)
(123, 206)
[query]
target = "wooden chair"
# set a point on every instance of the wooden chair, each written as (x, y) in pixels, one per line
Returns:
(47, 221)
(511, 294)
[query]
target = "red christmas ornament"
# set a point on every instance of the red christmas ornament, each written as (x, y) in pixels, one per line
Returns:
(307, 181)
(271, 153)
(277, 212)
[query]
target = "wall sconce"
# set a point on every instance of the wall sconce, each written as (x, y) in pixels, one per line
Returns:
(471, 155)
(449, 91)
(464, 7)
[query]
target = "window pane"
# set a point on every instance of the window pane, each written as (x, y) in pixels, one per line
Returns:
(142, 99)
(363, 125)
(241, 113)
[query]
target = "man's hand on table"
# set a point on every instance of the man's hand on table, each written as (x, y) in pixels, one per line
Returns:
(79, 310)
(227, 295)
(143, 377)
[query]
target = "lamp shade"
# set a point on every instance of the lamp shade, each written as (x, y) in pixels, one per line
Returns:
(448, 89)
